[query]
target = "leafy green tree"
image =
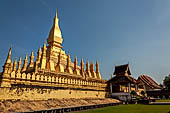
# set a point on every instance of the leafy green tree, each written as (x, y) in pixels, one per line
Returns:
(166, 82)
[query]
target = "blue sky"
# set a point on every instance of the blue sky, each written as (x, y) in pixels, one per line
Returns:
(111, 31)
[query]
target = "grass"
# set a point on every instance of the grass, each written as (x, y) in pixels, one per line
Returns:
(163, 100)
(131, 108)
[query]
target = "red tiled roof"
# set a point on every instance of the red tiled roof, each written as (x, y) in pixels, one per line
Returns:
(148, 81)
(132, 79)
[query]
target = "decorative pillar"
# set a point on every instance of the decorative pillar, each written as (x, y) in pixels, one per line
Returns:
(11, 66)
(97, 71)
(43, 57)
(75, 71)
(88, 74)
(82, 67)
(38, 60)
(68, 68)
(59, 67)
(15, 65)
(19, 65)
(39, 55)
(50, 64)
(25, 64)
(93, 74)
(31, 64)
(7, 65)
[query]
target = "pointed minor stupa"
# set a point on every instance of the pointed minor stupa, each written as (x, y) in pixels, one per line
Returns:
(24, 68)
(68, 68)
(82, 67)
(7, 65)
(31, 64)
(75, 70)
(97, 71)
(15, 65)
(88, 74)
(59, 67)
(43, 57)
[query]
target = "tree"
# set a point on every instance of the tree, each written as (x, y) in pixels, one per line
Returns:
(167, 82)
(133, 93)
(142, 93)
(161, 85)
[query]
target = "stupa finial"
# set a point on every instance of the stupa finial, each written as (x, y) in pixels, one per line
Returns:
(56, 14)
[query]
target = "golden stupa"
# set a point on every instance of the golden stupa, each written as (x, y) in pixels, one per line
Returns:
(51, 75)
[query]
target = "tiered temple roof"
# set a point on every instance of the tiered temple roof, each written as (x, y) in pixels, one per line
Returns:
(148, 81)
(122, 73)
(122, 69)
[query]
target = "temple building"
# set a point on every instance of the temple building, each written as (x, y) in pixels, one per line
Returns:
(121, 85)
(50, 74)
(122, 81)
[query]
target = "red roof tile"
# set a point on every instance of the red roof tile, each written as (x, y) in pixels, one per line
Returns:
(148, 81)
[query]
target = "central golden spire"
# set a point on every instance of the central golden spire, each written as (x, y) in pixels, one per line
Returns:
(55, 36)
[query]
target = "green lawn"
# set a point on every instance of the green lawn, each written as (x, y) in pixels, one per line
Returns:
(165, 100)
(133, 108)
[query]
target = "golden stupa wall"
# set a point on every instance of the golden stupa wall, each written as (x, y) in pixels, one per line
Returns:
(44, 86)
(52, 75)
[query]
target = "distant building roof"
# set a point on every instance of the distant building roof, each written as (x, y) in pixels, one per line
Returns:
(122, 69)
(148, 81)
